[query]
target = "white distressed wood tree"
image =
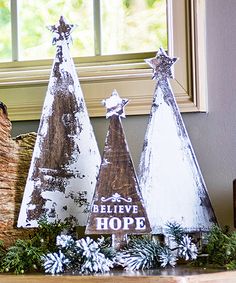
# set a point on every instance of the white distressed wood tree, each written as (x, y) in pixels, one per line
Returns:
(170, 179)
(66, 159)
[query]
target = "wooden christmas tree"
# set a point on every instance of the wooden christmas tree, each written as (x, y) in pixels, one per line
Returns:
(169, 175)
(66, 158)
(117, 206)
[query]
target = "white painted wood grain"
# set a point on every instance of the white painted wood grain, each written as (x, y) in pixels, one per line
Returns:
(170, 179)
(83, 162)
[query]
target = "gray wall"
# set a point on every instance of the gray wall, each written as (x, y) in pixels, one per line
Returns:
(213, 135)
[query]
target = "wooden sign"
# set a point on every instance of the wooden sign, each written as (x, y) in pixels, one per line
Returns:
(117, 206)
(169, 175)
(66, 158)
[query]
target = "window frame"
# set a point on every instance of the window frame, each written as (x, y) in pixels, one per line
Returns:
(23, 84)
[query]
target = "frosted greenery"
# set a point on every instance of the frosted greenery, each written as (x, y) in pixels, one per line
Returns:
(54, 248)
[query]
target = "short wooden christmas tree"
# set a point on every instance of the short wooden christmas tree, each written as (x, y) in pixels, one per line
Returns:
(66, 158)
(170, 178)
(117, 206)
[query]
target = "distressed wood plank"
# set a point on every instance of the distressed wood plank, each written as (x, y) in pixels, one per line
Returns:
(216, 277)
(66, 157)
(172, 184)
(117, 206)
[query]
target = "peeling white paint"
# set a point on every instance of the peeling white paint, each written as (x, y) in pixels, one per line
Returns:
(83, 164)
(172, 185)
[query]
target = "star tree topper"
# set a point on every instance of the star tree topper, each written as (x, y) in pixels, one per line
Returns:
(161, 65)
(115, 105)
(62, 31)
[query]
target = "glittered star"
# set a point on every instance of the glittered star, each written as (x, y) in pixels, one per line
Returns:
(61, 31)
(115, 105)
(161, 65)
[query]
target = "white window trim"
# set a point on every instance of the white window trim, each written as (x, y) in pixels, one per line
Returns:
(23, 84)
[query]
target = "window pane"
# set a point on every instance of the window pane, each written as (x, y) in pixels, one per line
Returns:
(133, 25)
(35, 38)
(5, 31)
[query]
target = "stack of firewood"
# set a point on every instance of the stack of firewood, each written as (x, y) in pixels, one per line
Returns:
(15, 157)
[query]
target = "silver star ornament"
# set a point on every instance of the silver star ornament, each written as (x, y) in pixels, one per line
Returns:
(161, 65)
(62, 31)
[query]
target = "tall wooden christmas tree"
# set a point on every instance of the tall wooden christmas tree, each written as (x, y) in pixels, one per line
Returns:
(117, 206)
(66, 158)
(169, 175)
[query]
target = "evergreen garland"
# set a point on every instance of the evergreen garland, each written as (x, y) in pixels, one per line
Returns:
(26, 255)
(221, 248)
(22, 257)
(84, 255)
(174, 231)
(145, 253)
(55, 249)
(55, 263)
(141, 253)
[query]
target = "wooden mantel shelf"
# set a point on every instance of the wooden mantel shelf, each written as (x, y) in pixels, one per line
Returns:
(164, 276)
